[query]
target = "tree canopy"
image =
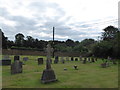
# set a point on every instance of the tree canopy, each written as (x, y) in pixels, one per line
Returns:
(109, 45)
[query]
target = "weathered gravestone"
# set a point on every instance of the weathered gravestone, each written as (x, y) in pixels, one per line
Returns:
(85, 60)
(5, 61)
(62, 60)
(40, 61)
(56, 60)
(16, 58)
(76, 59)
(25, 58)
(72, 59)
(16, 67)
(48, 74)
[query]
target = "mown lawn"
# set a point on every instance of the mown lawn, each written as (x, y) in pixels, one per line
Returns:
(89, 75)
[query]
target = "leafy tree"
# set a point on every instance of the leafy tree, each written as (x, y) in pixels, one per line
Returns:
(109, 33)
(19, 39)
(87, 42)
(10, 44)
(103, 49)
(30, 41)
(70, 43)
(4, 40)
(116, 46)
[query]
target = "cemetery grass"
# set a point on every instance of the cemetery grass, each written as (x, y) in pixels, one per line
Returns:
(89, 75)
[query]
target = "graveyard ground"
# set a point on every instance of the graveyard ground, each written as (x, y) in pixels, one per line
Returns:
(89, 75)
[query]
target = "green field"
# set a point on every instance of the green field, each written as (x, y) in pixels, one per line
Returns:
(89, 75)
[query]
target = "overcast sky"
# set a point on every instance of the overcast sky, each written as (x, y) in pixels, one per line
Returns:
(72, 19)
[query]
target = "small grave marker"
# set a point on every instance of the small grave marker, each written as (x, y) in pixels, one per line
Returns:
(40, 61)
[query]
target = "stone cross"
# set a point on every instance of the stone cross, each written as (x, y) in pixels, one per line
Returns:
(48, 74)
(49, 51)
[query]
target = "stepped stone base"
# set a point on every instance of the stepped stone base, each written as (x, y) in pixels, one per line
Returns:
(48, 76)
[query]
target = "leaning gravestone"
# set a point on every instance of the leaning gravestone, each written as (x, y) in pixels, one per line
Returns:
(56, 60)
(40, 61)
(72, 59)
(6, 60)
(16, 58)
(16, 67)
(48, 74)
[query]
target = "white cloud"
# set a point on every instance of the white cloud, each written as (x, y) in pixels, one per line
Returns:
(75, 19)
(8, 22)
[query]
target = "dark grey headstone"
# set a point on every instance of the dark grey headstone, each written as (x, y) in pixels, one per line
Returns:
(72, 59)
(16, 58)
(5, 62)
(40, 61)
(56, 60)
(56, 57)
(25, 59)
(16, 67)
